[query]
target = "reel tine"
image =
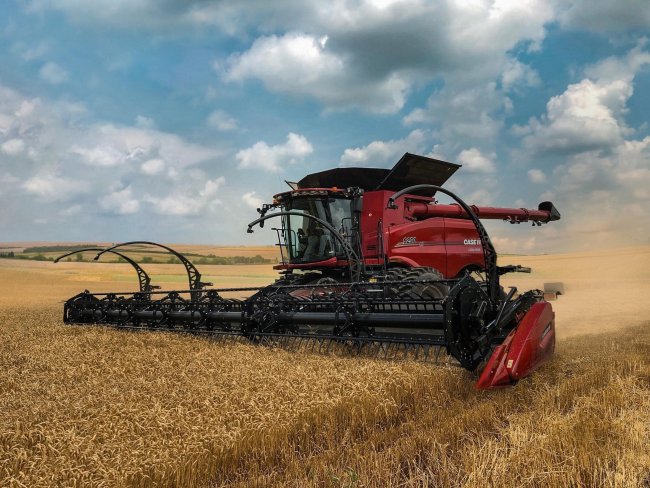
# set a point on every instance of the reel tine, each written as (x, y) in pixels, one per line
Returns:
(438, 352)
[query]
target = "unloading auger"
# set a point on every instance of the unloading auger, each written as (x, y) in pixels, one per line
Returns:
(369, 265)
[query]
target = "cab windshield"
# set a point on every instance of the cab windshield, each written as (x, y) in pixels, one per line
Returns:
(306, 239)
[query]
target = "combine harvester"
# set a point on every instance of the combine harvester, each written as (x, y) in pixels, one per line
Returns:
(373, 263)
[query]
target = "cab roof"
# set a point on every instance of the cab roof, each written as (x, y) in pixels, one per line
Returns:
(410, 170)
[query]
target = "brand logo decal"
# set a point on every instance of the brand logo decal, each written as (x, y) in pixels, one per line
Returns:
(472, 242)
(409, 240)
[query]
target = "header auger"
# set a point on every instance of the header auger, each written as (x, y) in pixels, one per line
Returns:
(371, 263)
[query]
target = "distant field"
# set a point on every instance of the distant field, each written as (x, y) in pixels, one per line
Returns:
(198, 254)
(87, 406)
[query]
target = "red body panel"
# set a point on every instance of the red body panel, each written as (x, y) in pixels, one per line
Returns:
(448, 244)
(419, 232)
(525, 349)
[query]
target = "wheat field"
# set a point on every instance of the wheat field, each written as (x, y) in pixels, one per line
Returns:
(90, 406)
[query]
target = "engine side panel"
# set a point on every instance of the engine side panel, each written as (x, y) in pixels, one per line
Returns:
(447, 244)
(462, 245)
(422, 243)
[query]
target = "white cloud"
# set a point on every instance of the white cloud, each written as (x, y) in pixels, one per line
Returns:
(516, 74)
(626, 169)
(220, 120)
(359, 65)
(112, 145)
(589, 115)
(379, 153)
(465, 114)
(302, 65)
(536, 176)
(605, 15)
(120, 202)
(49, 187)
(152, 166)
(601, 183)
(13, 147)
(475, 188)
(71, 210)
(188, 202)
(72, 161)
(102, 155)
(365, 54)
(621, 68)
(474, 161)
(53, 73)
(253, 201)
(275, 158)
(145, 122)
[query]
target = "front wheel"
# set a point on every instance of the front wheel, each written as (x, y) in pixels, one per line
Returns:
(434, 290)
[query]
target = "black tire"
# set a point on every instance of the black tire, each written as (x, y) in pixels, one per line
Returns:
(417, 291)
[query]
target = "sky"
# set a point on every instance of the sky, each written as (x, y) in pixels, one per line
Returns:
(173, 120)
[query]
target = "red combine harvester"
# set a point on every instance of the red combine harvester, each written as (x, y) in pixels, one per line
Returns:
(370, 262)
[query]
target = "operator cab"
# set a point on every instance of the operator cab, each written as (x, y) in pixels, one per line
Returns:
(308, 240)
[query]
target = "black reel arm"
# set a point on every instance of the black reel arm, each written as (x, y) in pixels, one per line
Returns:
(193, 274)
(143, 277)
(489, 253)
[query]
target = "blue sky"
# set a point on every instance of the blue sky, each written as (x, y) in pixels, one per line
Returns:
(172, 120)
